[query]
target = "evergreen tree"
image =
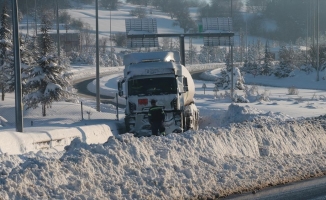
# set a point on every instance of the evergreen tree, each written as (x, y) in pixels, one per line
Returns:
(223, 81)
(267, 66)
(286, 62)
(28, 54)
(254, 68)
(48, 81)
(191, 56)
(246, 67)
(6, 55)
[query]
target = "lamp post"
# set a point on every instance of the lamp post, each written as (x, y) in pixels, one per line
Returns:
(111, 38)
(18, 84)
(317, 40)
(58, 32)
(27, 15)
(231, 57)
(97, 63)
(35, 18)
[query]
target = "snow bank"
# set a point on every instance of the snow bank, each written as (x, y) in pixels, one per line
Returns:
(241, 113)
(211, 162)
(51, 140)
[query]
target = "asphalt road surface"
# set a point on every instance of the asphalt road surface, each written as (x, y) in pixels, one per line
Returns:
(312, 189)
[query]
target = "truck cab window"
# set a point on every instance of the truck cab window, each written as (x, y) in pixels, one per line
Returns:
(153, 86)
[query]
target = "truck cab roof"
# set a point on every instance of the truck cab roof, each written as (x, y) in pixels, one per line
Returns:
(162, 56)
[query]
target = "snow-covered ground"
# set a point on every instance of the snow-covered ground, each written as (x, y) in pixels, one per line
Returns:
(269, 143)
(239, 147)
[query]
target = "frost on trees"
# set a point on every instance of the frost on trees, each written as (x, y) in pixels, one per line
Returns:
(7, 82)
(267, 68)
(224, 79)
(49, 80)
(286, 66)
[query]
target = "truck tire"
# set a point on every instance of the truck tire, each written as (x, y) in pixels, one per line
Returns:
(127, 124)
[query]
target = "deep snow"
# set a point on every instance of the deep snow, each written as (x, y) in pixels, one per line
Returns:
(239, 147)
(262, 148)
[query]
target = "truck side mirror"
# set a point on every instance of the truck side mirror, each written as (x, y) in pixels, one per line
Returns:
(185, 84)
(120, 92)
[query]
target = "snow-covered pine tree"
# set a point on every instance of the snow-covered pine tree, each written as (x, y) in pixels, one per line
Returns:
(204, 54)
(286, 65)
(255, 68)
(49, 81)
(6, 54)
(246, 67)
(191, 56)
(259, 51)
(28, 53)
(228, 63)
(322, 57)
(267, 65)
(223, 80)
(249, 60)
(251, 53)
(239, 82)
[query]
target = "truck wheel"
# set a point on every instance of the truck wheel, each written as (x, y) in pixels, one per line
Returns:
(127, 124)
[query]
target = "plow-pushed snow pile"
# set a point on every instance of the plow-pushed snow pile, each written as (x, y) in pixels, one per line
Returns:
(51, 140)
(212, 162)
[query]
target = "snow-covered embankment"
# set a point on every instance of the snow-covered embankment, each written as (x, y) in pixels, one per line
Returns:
(210, 162)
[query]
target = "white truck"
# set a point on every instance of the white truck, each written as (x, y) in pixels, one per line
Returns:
(159, 76)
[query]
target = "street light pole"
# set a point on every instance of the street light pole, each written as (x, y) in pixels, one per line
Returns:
(111, 39)
(231, 57)
(58, 32)
(27, 16)
(97, 64)
(317, 41)
(18, 84)
(35, 18)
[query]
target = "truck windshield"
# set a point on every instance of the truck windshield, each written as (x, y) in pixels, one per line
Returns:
(152, 86)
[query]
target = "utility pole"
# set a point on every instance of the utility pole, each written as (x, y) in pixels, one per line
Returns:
(35, 18)
(27, 15)
(231, 57)
(317, 40)
(307, 35)
(58, 32)
(232, 71)
(18, 84)
(111, 38)
(97, 63)
(313, 7)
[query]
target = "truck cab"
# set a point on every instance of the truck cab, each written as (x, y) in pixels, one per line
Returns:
(159, 76)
